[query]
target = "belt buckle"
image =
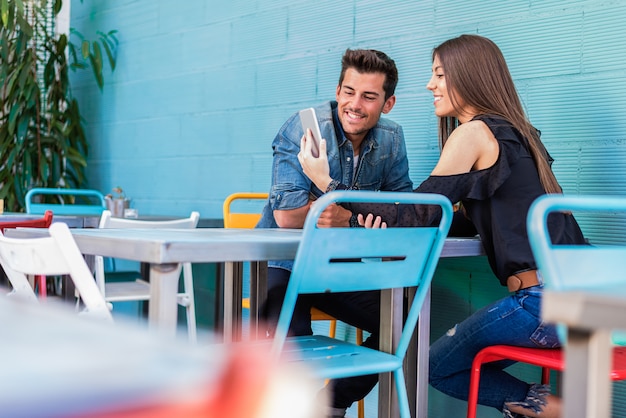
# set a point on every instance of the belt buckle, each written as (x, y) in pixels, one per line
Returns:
(514, 283)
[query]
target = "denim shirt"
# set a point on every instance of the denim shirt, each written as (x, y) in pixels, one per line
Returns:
(383, 164)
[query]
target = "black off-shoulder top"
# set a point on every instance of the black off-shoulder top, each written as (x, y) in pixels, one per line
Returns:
(496, 201)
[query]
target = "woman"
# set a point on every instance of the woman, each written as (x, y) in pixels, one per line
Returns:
(493, 162)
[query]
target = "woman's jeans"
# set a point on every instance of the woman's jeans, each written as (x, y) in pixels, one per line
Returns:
(514, 320)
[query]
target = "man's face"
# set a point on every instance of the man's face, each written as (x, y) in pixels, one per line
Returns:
(361, 100)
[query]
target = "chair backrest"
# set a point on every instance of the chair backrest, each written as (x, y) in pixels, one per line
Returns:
(22, 288)
(359, 259)
(43, 222)
(241, 219)
(55, 255)
(76, 202)
(108, 221)
(566, 267)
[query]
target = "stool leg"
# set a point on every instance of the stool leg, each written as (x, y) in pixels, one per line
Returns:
(42, 284)
(472, 399)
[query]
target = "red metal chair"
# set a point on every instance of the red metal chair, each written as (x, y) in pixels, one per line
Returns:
(44, 222)
(547, 359)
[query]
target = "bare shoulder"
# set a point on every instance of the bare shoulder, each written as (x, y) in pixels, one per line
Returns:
(471, 146)
(475, 131)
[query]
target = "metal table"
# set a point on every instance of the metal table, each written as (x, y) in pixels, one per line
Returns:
(165, 249)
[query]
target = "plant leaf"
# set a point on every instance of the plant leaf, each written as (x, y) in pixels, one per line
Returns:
(85, 49)
(96, 65)
(110, 56)
(4, 12)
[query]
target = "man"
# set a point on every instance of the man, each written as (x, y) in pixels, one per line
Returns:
(364, 151)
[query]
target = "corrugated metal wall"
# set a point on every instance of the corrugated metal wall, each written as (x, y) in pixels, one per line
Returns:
(202, 87)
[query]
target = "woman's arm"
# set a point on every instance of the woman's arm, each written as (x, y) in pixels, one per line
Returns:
(471, 146)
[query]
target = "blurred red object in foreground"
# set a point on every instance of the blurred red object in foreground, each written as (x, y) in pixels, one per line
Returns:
(251, 386)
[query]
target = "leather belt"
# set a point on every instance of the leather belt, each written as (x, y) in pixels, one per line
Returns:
(522, 280)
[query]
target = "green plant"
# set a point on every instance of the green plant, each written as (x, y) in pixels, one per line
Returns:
(117, 193)
(42, 140)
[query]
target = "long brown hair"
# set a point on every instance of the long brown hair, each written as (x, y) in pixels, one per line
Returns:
(476, 72)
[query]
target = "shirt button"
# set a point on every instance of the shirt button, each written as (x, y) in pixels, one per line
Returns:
(348, 159)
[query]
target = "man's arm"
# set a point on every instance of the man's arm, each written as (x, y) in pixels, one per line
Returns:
(333, 216)
(292, 218)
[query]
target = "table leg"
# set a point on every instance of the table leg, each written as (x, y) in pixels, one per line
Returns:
(418, 380)
(391, 320)
(587, 386)
(163, 307)
(258, 296)
(233, 278)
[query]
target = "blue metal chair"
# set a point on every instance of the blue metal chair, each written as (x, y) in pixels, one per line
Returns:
(585, 290)
(84, 202)
(360, 259)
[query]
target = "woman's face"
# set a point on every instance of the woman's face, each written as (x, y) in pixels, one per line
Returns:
(443, 101)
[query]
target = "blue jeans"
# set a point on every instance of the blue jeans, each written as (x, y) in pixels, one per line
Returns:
(514, 320)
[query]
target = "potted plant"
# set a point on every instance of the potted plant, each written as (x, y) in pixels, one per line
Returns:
(41, 133)
(117, 202)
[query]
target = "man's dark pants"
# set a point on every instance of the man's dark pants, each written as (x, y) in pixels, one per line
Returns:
(359, 309)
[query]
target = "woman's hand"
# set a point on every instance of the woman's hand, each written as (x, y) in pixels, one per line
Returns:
(316, 169)
(370, 221)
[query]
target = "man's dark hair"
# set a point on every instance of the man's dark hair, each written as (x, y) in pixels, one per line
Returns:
(371, 61)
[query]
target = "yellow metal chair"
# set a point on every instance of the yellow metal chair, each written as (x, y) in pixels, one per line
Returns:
(249, 220)
(241, 219)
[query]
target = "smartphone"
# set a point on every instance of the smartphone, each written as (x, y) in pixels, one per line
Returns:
(309, 121)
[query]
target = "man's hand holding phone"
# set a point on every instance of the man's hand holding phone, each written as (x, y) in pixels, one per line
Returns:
(314, 162)
(316, 169)
(308, 119)
(312, 155)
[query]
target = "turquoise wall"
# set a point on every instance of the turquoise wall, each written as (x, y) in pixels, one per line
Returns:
(202, 87)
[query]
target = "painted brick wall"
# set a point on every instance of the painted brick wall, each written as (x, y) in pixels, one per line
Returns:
(202, 87)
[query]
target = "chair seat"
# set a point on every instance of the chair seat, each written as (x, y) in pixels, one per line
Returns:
(127, 291)
(548, 359)
(335, 358)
